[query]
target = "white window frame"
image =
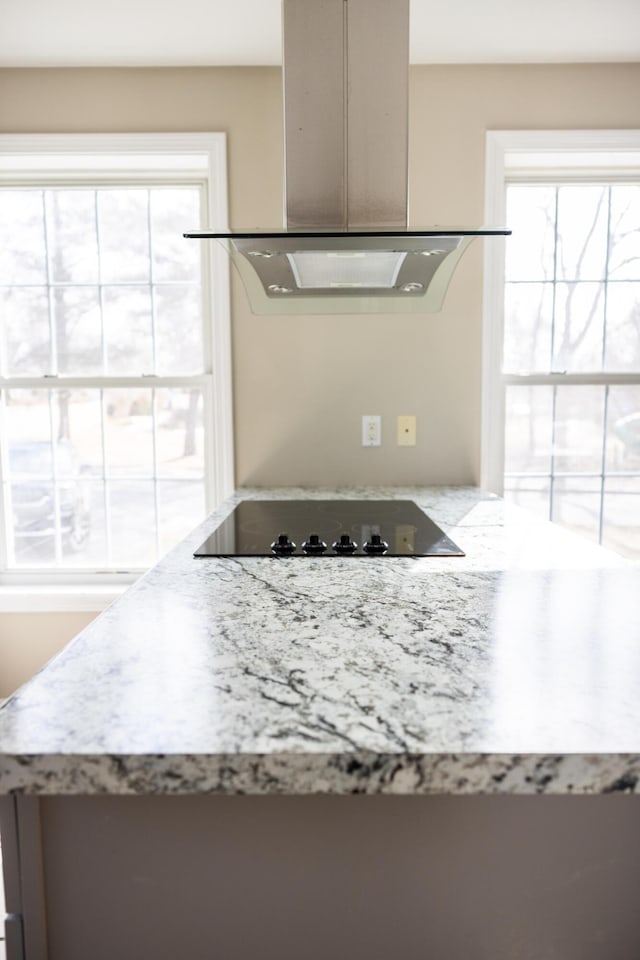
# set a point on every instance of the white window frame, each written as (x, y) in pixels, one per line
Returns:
(199, 158)
(525, 154)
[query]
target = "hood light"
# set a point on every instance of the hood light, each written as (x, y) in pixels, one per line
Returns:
(345, 269)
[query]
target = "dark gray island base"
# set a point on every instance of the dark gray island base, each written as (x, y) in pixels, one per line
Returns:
(435, 759)
(317, 877)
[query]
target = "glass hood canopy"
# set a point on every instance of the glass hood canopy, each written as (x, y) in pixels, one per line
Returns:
(347, 271)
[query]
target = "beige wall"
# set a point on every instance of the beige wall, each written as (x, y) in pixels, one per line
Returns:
(301, 384)
(28, 640)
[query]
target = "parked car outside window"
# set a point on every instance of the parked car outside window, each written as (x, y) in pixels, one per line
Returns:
(34, 492)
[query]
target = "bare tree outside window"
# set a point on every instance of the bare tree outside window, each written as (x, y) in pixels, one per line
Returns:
(101, 303)
(572, 313)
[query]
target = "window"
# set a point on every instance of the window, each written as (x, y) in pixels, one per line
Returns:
(566, 356)
(114, 351)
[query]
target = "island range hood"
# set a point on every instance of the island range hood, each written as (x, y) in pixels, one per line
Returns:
(346, 246)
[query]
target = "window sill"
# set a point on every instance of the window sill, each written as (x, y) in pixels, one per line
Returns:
(59, 599)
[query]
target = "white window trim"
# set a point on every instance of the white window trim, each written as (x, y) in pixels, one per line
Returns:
(126, 155)
(509, 154)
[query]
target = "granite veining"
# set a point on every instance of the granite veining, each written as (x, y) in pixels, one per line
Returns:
(514, 669)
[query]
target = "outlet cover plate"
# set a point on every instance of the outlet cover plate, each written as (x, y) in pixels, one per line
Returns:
(371, 430)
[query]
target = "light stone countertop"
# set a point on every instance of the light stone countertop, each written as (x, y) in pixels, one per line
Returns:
(515, 669)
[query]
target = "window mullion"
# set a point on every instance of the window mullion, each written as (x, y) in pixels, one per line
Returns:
(152, 289)
(53, 348)
(6, 518)
(571, 379)
(206, 287)
(103, 339)
(82, 383)
(154, 449)
(57, 535)
(603, 467)
(605, 421)
(554, 285)
(606, 281)
(552, 463)
(105, 483)
(209, 458)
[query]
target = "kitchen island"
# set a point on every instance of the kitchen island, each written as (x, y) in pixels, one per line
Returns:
(314, 757)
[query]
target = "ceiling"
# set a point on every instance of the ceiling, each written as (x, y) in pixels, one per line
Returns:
(74, 33)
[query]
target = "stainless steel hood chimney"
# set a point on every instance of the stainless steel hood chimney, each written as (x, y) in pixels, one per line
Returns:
(346, 247)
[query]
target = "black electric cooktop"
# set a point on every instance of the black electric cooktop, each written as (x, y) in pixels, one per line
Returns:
(328, 528)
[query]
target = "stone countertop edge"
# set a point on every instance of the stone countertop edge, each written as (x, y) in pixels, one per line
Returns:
(345, 774)
(512, 670)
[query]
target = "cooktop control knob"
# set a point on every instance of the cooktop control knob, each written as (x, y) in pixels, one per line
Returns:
(345, 544)
(283, 547)
(375, 545)
(314, 544)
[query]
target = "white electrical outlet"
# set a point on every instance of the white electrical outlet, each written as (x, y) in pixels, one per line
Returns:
(406, 431)
(371, 430)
